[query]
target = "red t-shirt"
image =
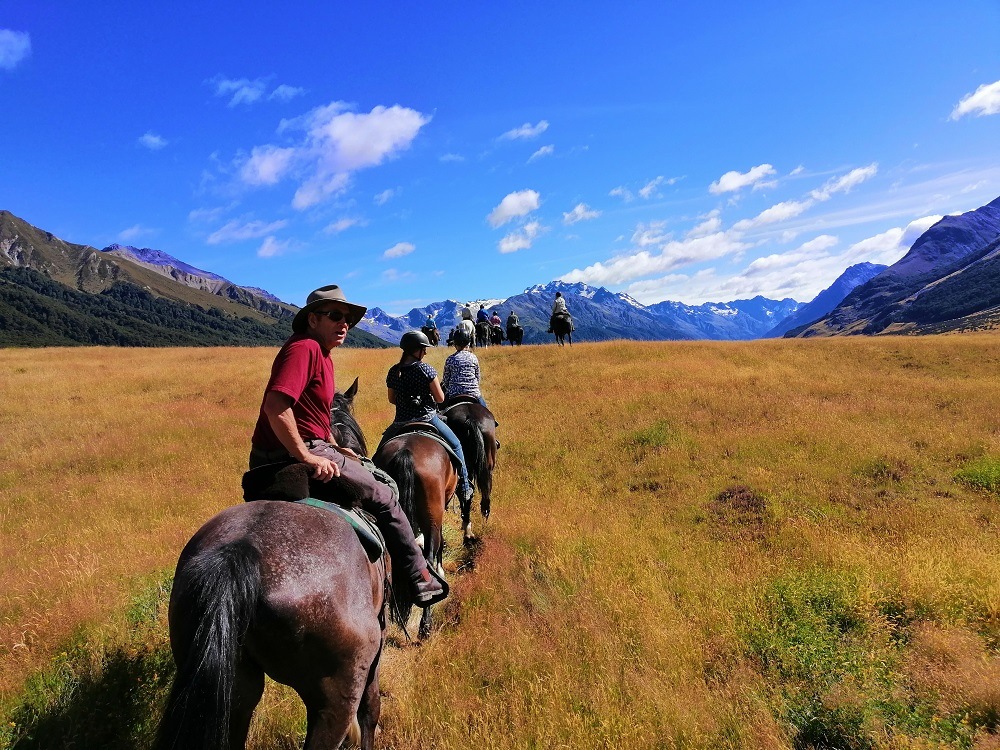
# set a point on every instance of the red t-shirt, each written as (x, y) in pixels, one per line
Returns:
(304, 372)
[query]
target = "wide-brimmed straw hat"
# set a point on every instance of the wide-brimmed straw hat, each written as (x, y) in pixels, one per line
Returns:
(329, 293)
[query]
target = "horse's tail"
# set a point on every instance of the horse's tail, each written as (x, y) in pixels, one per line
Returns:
(471, 438)
(221, 588)
(401, 468)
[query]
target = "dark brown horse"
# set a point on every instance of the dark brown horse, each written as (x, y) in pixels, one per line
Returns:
(475, 427)
(432, 335)
(483, 333)
(515, 335)
(426, 479)
(282, 589)
(562, 327)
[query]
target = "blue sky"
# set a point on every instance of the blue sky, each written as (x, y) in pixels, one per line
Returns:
(414, 152)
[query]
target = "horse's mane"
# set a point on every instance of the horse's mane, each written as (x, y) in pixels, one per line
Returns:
(346, 429)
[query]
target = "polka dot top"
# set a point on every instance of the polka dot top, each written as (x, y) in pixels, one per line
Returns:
(412, 385)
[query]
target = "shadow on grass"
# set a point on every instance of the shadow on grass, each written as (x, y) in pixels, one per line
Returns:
(113, 705)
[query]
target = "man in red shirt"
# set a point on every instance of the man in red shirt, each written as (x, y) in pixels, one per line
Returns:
(294, 422)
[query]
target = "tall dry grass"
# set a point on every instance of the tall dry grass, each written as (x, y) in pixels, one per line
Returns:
(693, 544)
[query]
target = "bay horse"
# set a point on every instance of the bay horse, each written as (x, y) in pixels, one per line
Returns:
(432, 335)
(562, 327)
(515, 335)
(475, 426)
(282, 589)
(482, 333)
(426, 478)
(496, 335)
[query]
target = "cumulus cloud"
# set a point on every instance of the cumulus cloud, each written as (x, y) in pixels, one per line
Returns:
(521, 239)
(672, 254)
(237, 231)
(152, 141)
(399, 250)
(712, 223)
(15, 46)
(580, 212)
(272, 247)
(811, 250)
(267, 165)
(543, 151)
(341, 225)
(514, 205)
(335, 143)
(985, 100)
(526, 131)
(285, 93)
(384, 197)
(733, 181)
(647, 235)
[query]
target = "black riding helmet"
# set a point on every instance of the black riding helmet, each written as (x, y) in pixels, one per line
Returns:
(414, 340)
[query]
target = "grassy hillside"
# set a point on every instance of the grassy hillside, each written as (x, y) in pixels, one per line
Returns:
(773, 544)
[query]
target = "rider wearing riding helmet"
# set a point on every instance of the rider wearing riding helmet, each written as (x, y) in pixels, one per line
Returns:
(461, 371)
(466, 325)
(414, 389)
(482, 316)
(495, 319)
(558, 308)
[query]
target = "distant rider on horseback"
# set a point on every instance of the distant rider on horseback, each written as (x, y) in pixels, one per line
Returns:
(414, 389)
(294, 425)
(559, 309)
(430, 330)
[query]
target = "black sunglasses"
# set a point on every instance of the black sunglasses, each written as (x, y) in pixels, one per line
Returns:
(337, 315)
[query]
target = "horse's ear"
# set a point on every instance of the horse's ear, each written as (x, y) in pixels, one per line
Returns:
(353, 390)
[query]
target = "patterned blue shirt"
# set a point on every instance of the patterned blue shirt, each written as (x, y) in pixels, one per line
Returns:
(412, 385)
(461, 374)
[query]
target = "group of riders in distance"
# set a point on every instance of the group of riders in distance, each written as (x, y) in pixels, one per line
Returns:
(295, 583)
(487, 329)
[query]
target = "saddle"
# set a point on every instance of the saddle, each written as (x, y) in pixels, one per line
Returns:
(290, 481)
(451, 401)
(422, 428)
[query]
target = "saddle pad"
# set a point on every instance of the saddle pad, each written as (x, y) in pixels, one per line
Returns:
(428, 430)
(368, 533)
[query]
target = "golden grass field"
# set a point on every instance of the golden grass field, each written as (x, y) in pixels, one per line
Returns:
(774, 544)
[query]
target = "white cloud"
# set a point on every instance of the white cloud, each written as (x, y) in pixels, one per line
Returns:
(580, 212)
(339, 143)
(811, 250)
(399, 250)
(649, 189)
(240, 90)
(15, 46)
(889, 246)
(846, 182)
(335, 144)
(733, 181)
(384, 197)
(152, 141)
(521, 239)
(267, 165)
(622, 192)
(712, 223)
(134, 232)
(285, 93)
(340, 225)
(272, 247)
(543, 151)
(984, 101)
(672, 254)
(647, 235)
(778, 212)
(237, 231)
(526, 131)
(514, 205)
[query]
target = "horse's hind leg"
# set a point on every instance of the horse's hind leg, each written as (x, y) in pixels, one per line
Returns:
(248, 687)
(371, 707)
(329, 720)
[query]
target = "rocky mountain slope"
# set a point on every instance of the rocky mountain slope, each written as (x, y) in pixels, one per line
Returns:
(828, 299)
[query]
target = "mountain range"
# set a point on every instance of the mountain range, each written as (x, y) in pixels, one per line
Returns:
(53, 292)
(56, 293)
(948, 281)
